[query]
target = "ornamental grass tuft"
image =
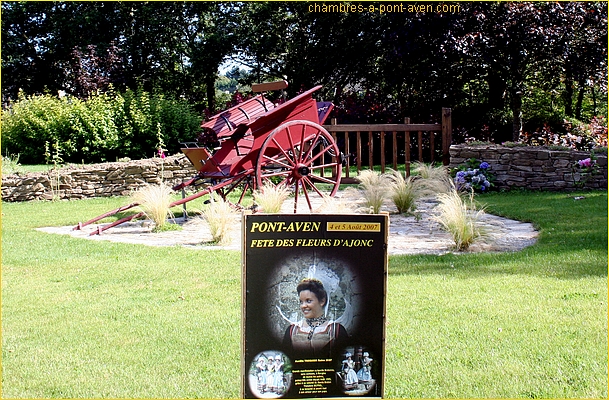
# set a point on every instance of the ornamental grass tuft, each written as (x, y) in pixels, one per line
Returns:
(433, 179)
(154, 202)
(460, 218)
(270, 197)
(220, 215)
(375, 187)
(405, 191)
(334, 205)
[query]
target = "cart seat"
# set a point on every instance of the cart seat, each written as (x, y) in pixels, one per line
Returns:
(210, 167)
(225, 123)
(201, 159)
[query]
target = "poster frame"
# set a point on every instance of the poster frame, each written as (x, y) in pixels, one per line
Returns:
(381, 268)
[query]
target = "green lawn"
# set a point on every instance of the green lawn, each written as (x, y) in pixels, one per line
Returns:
(84, 319)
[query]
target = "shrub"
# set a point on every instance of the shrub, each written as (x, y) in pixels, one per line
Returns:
(576, 135)
(588, 136)
(460, 219)
(146, 116)
(31, 122)
(102, 128)
(95, 135)
(473, 176)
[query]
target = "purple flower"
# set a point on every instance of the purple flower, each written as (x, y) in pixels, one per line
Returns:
(472, 178)
(587, 163)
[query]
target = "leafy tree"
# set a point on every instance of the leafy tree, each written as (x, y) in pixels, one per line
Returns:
(519, 44)
(208, 34)
(175, 47)
(495, 64)
(418, 68)
(89, 72)
(38, 39)
(288, 41)
(583, 53)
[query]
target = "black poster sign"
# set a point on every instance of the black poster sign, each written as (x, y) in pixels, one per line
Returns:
(314, 305)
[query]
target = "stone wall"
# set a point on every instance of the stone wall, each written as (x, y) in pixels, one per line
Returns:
(534, 168)
(96, 180)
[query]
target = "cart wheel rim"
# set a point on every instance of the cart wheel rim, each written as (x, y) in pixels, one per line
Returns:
(299, 154)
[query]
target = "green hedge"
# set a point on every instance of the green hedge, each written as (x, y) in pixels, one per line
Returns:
(104, 127)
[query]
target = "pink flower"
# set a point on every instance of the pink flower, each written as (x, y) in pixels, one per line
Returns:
(586, 163)
(161, 153)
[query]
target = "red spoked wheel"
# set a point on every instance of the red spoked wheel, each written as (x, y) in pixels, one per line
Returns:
(303, 156)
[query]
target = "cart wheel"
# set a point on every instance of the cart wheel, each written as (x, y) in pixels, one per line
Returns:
(301, 155)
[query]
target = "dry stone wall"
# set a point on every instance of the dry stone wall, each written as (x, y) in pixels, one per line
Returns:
(96, 180)
(535, 168)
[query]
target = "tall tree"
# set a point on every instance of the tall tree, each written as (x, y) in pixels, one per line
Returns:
(417, 67)
(175, 47)
(307, 47)
(208, 33)
(38, 40)
(514, 41)
(582, 54)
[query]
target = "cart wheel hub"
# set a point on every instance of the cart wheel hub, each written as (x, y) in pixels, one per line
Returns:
(302, 170)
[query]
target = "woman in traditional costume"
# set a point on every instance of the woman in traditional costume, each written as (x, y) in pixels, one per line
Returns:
(364, 373)
(314, 335)
(349, 371)
(278, 380)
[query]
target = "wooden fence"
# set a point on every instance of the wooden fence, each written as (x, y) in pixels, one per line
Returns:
(382, 143)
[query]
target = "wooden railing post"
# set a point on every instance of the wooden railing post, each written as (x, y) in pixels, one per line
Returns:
(334, 136)
(358, 153)
(383, 152)
(447, 135)
(395, 149)
(370, 150)
(407, 148)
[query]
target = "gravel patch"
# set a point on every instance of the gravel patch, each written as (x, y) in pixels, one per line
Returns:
(407, 234)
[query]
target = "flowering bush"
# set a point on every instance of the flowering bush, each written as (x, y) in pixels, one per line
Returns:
(587, 163)
(578, 135)
(473, 175)
(587, 136)
(584, 169)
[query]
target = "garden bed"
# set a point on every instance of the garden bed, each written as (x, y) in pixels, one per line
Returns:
(407, 234)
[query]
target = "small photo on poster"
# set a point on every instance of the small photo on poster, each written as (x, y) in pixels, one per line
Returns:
(314, 299)
(270, 375)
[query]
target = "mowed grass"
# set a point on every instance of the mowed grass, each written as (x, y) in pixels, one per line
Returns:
(531, 324)
(88, 319)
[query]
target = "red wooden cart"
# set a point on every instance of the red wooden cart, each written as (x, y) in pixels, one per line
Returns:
(259, 142)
